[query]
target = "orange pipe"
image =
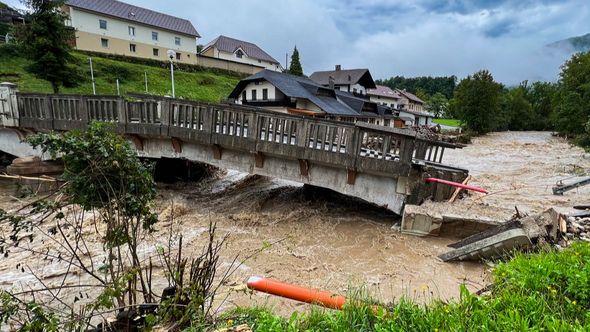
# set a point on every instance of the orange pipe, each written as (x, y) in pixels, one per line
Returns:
(298, 293)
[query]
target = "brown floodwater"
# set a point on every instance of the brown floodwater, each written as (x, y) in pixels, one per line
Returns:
(322, 240)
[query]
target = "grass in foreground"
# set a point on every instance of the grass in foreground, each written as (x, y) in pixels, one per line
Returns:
(205, 86)
(448, 122)
(545, 291)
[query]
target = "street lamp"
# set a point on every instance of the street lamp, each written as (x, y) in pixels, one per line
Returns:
(171, 55)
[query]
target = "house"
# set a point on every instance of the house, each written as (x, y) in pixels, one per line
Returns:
(384, 95)
(407, 106)
(110, 26)
(286, 93)
(236, 50)
(355, 81)
(410, 101)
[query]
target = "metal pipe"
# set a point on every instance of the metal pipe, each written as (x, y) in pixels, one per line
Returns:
(298, 293)
(456, 184)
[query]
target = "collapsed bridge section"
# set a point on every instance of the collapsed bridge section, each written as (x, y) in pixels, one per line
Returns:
(384, 166)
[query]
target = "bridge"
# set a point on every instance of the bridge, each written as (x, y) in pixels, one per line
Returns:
(384, 166)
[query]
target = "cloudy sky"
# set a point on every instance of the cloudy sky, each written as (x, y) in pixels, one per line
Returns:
(397, 37)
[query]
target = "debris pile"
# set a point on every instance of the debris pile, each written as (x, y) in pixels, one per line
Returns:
(522, 233)
(578, 228)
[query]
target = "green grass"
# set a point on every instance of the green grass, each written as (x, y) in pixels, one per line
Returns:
(205, 85)
(448, 122)
(547, 291)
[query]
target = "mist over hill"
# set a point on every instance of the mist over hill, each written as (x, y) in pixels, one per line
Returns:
(573, 44)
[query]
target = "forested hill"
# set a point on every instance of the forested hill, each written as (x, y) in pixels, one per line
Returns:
(573, 44)
(423, 85)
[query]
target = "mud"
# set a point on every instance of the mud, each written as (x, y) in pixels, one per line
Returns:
(321, 239)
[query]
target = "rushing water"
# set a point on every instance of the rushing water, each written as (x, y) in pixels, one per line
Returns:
(328, 241)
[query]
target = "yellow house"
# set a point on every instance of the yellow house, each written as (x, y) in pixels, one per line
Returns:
(110, 26)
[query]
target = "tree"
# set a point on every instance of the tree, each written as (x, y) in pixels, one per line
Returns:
(477, 101)
(430, 85)
(45, 41)
(437, 105)
(572, 109)
(517, 110)
(541, 95)
(295, 67)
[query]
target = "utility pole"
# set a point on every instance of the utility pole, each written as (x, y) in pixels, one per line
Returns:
(286, 62)
(92, 77)
(145, 79)
(118, 89)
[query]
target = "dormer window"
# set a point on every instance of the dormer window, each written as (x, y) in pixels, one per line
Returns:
(239, 54)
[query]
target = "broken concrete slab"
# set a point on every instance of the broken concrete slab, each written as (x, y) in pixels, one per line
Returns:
(436, 219)
(490, 247)
(517, 234)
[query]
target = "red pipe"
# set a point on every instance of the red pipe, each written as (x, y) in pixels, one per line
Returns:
(298, 293)
(457, 184)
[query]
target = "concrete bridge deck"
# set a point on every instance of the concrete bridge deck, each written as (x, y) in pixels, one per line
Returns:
(385, 166)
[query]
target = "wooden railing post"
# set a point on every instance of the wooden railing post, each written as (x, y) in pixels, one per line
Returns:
(303, 133)
(165, 110)
(49, 111)
(84, 116)
(121, 111)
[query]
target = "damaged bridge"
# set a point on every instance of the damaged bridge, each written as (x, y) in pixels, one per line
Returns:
(384, 166)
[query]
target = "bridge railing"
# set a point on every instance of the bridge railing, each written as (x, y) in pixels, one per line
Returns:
(360, 147)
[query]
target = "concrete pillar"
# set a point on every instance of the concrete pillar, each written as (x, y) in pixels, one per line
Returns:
(8, 105)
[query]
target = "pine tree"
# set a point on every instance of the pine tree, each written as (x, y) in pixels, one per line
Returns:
(45, 41)
(295, 67)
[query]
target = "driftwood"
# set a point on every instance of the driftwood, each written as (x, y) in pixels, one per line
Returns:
(36, 178)
(458, 190)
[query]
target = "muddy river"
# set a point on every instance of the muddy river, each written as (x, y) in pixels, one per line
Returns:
(319, 239)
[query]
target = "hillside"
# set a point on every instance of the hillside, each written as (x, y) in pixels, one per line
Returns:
(573, 44)
(209, 86)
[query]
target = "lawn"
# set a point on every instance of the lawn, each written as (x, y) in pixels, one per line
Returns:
(206, 85)
(547, 291)
(448, 122)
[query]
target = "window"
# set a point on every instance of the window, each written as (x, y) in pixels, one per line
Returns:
(239, 54)
(254, 95)
(102, 24)
(132, 48)
(178, 56)
(104, 42)
(264, 94)
(156, 52)
(244, 95)
(177, 41)
(131, 31)
(154, 36)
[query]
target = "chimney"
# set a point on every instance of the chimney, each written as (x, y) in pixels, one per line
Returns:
(331, 82)
(338, 67)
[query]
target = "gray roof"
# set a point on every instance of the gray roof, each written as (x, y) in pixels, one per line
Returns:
(299, 87)
(345, 77)
(136, 14)
(410, 96)
(230, 45)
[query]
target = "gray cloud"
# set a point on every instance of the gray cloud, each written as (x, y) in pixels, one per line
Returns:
(397, 37)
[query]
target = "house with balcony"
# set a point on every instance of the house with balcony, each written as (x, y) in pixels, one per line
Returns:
(355, 81)
(115, 27)
(286, 93)
(241, 51)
